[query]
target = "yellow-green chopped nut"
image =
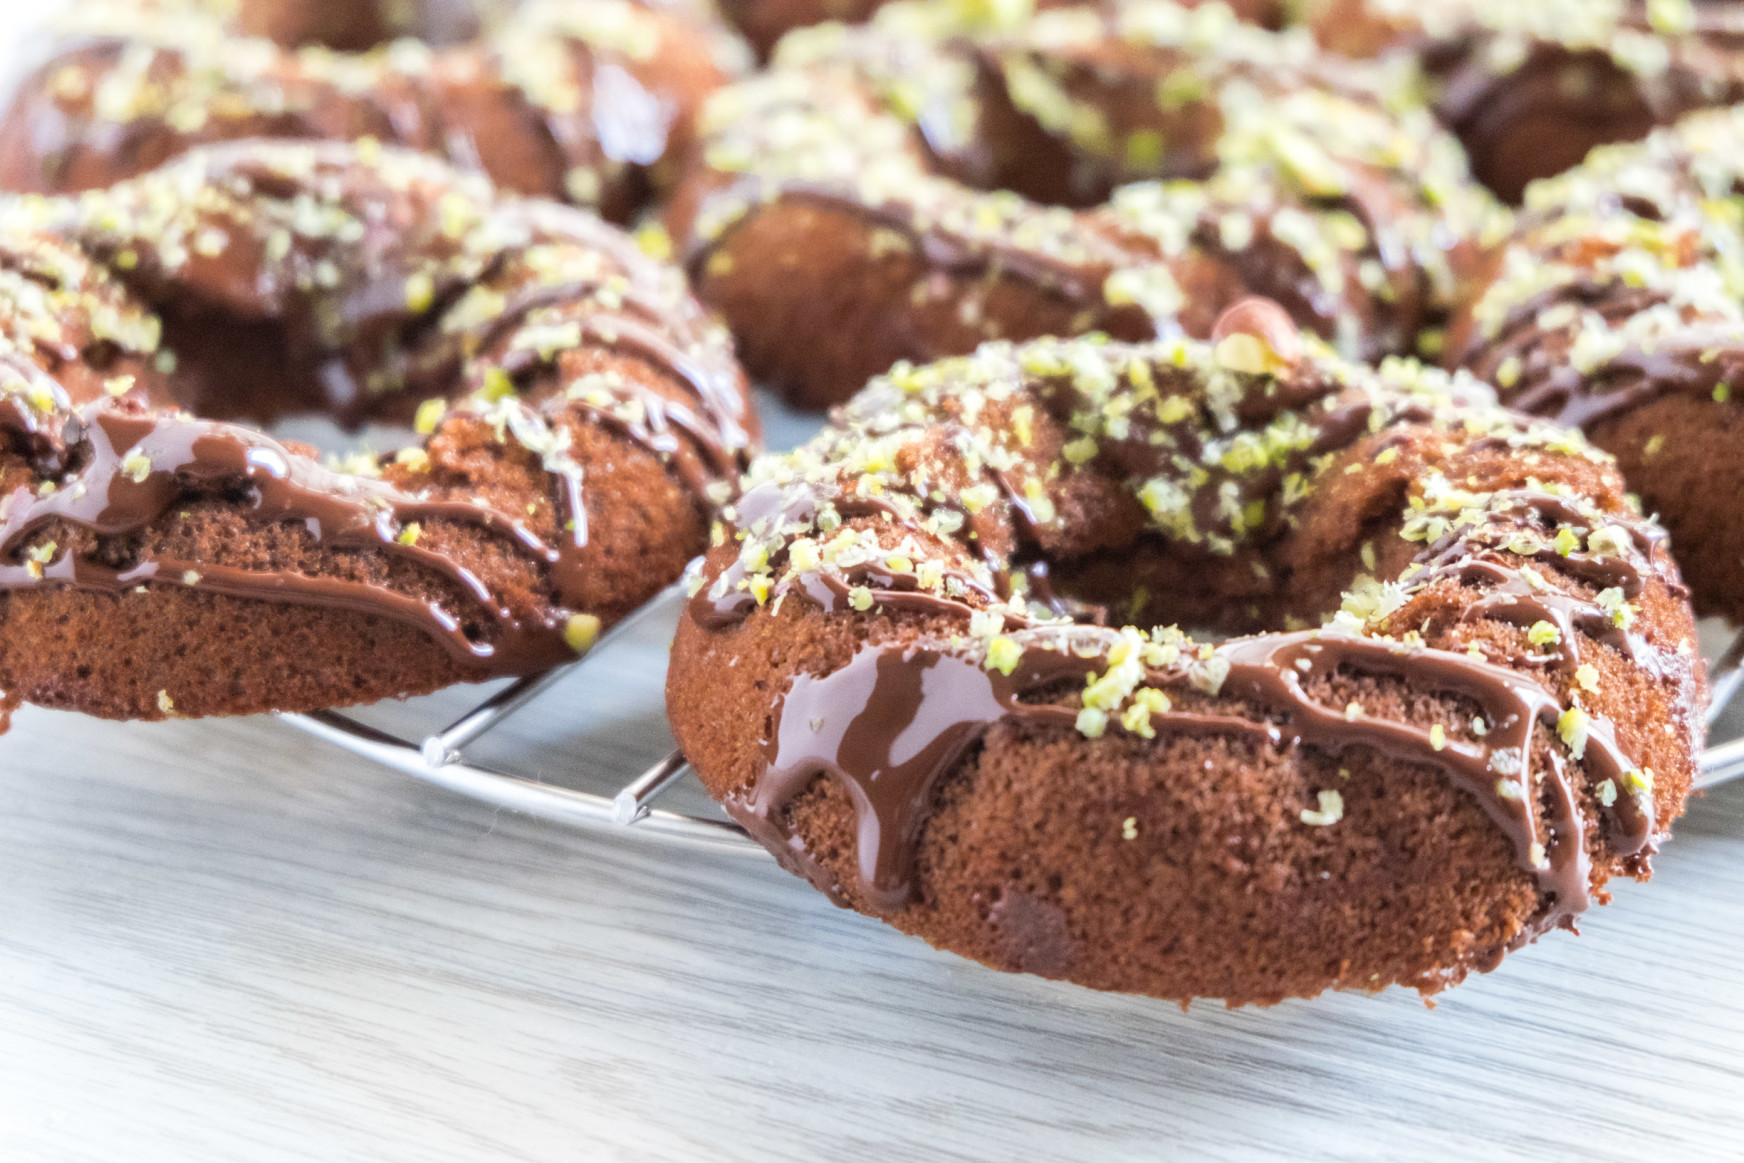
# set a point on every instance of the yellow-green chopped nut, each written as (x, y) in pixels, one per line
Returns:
(497, 385)
(1572, 726)
(581, 631)
(429, 416)
(1003, 655)
(413, 459)
(652, 238)
(803, 555)
(1146, 703)
(1092, 722)
(420, 292)
(1543, 634)
(1080, 451)
(1331, 810)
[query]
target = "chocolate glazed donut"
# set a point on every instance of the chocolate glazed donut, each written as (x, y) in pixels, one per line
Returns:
(1531, 87)
(899, 671)
(766, 21)
(578, 407)
(1617, 306)
(841, 211)
(585, 102)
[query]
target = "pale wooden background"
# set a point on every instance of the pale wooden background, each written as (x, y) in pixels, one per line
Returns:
(223, 941)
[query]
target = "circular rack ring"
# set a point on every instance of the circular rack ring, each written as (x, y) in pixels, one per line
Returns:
(439, 759)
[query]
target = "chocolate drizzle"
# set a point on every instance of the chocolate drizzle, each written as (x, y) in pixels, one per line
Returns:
(560, 100)
(896, 719)
(1022, 447)
(133, 467)
(1472, 557)
(393, 272)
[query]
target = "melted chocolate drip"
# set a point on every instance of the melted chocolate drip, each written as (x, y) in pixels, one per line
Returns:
(895, 720)
(116, 468)
(136, 466)
(1512, 598)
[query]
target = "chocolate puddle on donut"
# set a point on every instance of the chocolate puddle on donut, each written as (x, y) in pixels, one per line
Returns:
(580, 412)
(1466, 700)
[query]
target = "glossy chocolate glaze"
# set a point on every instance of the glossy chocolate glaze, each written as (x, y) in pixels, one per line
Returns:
(895, 719)
(1301, 187)
(1529, 94)
(1615, 306)
(566, 101)
(498, 306)
(187, 458)
(901, 715)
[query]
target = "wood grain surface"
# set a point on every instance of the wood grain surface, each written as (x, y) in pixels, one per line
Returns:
(226, 941)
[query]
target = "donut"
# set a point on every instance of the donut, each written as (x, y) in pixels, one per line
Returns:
(159, 556)
(764, 22)
(901, 671)
(349, 25)
(1617, 305)
(1531, 87)
(905, 191)
(584, 102)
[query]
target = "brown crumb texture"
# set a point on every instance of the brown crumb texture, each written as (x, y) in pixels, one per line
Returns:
(1122, 821)
(579, 415)
(948, 174)
(587, 103)
(1614, 305)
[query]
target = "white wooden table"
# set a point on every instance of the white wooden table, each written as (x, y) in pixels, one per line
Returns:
(226, 941)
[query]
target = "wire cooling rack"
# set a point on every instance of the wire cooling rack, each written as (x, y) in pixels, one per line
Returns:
(440, 758)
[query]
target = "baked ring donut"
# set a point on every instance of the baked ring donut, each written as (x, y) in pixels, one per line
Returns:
(1618, 306)
(1531, 87)
(155, 562)
(584, 102)
(351, 25)
(764, 22)
(888, 674)
(896, 191)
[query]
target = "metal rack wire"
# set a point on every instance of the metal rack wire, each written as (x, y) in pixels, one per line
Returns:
(441, 759)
